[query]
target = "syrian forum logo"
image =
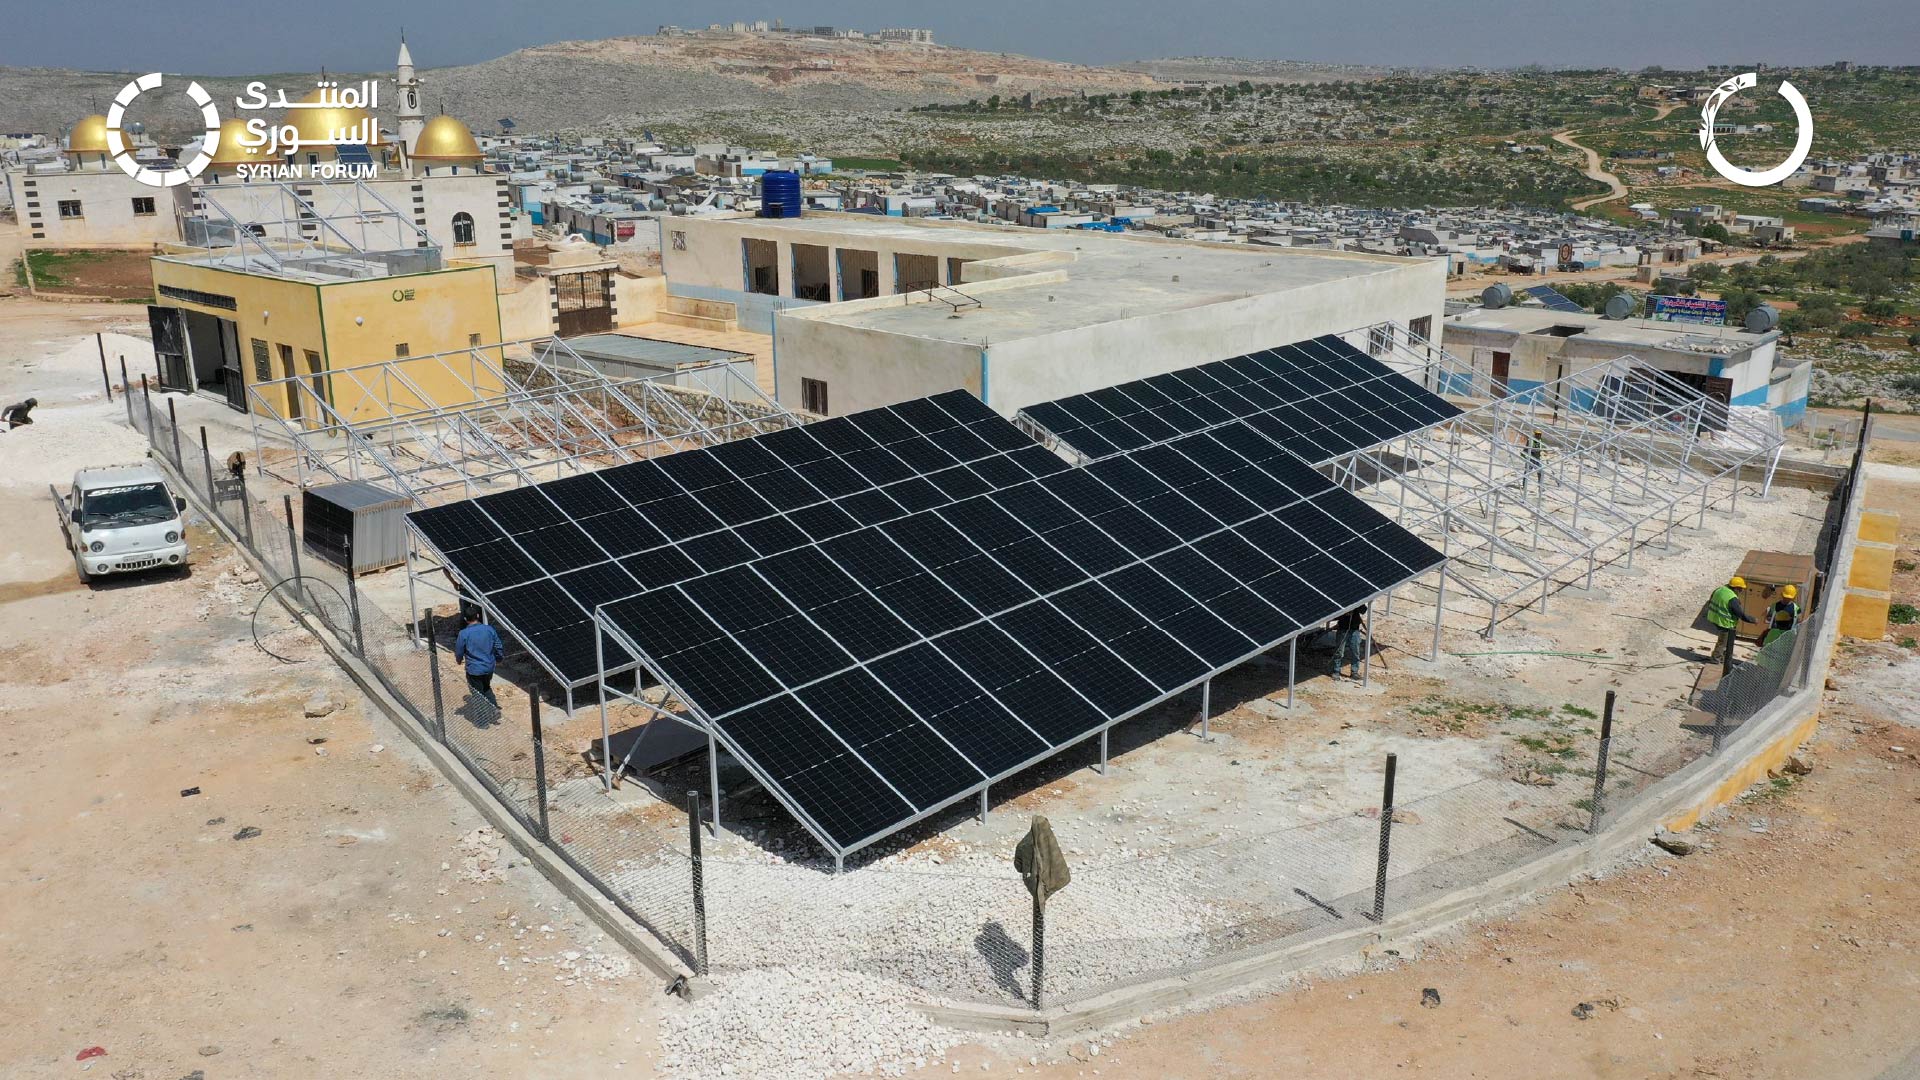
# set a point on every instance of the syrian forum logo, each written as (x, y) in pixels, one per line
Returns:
(161, 178)
(1802, 127)
(261, 137)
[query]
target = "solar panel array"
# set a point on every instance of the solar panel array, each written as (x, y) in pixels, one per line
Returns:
(543, 557)
(1553, 298)
(875, 676)
(1319, 399)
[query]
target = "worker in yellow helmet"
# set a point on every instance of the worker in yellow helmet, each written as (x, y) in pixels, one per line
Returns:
(1783, 616)
(1726, 615)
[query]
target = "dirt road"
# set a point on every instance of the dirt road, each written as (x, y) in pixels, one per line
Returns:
(1593, 171)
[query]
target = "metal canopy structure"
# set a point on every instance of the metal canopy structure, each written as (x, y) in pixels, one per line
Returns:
(335, 229)
(880, 615)
(1529, 491)
(1319, 399)
(529, 410)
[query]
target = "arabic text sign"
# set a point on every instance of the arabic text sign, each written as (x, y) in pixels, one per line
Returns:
(1690, 309)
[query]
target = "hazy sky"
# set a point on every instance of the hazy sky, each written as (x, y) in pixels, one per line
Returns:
(232, 37)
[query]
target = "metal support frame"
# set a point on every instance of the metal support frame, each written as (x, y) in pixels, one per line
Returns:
(1627, 443)
(537, 411)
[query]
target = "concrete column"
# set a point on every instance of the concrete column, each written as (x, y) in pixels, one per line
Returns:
(783, 263)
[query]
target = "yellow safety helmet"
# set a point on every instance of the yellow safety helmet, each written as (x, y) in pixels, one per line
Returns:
(1790, 592)
(1737, 582)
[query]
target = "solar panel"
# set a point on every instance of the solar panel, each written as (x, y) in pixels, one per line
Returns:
(1320, 399)
(676, 517)
(353, 154)
(1552, 298)
(876, 644)
(1006, 626)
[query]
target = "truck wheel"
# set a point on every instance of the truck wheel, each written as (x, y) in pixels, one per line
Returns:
(81, 569)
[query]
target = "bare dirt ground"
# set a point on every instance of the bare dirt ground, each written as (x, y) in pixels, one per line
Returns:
(114, 275)
(132, 919)
(1783, 947)
(333, 943)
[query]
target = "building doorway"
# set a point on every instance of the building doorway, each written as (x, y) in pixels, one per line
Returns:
(859, 274)
(812, 273)
(585, 302)
(1502, 371)
(760, 259)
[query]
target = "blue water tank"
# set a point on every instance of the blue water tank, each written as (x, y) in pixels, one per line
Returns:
(780, 194)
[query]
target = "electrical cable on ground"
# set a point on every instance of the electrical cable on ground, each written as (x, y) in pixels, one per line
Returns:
(254, 621)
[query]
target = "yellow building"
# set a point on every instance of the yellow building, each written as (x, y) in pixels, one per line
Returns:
(223, 323)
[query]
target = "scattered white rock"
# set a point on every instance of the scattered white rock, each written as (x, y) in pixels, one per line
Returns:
(319, 704)
(800, 1024)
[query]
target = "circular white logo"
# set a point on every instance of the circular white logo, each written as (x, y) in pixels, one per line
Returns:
(117, 141)
(1802, 127)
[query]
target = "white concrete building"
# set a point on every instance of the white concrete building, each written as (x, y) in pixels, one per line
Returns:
(1524, 347)
(868, 310)
(86, 201)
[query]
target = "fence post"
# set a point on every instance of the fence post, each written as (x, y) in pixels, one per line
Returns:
(353, 612)
(1386, 839)
(699, 885)
(106, 380)
(539, 764)
(206, 460)
(173, 421)
(246, 508)
(433, 675)
(1039, 950)
(1722, 692)
(1600, 765)
(126, 390)
(146, 397)
(293, 545)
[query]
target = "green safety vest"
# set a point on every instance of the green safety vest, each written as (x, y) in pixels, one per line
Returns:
(1718, 611)
(1784, 615)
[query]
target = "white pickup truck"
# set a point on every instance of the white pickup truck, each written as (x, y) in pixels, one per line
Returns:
(122, 517)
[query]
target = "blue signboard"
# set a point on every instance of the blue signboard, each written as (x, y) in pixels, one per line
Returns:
(1690, 309)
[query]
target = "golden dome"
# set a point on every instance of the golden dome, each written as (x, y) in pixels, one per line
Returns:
(446, 139)
(315, 127)
(233, 149)
(89, 136)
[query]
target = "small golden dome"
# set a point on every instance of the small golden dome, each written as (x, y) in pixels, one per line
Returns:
(233, 149)
(446, 139)
(315, 127)
(89, 136)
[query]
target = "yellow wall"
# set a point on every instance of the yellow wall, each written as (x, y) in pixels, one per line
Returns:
(273, 310)
(444, 308)
(431, 313)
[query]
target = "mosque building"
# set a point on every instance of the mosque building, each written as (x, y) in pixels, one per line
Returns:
(430, 170)
(84, 200)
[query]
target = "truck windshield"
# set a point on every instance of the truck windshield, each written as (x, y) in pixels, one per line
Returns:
(134, 504)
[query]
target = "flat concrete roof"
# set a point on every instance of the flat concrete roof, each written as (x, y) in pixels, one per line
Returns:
(650, 351)
(1108, 276)
(1630, 333)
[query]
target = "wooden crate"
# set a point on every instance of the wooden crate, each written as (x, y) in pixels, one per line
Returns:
(1766, 573)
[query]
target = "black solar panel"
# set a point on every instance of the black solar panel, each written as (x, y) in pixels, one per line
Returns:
(701, 511)
(1319, 399)
(1553, 298)
(882, 638)
(1159, 577)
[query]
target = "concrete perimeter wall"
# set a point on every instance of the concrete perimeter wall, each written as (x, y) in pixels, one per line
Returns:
(1674, 804)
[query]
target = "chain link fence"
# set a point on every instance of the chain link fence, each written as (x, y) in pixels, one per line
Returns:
(959, 933)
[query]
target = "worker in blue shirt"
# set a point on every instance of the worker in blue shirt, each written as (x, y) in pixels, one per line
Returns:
(480, 648)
